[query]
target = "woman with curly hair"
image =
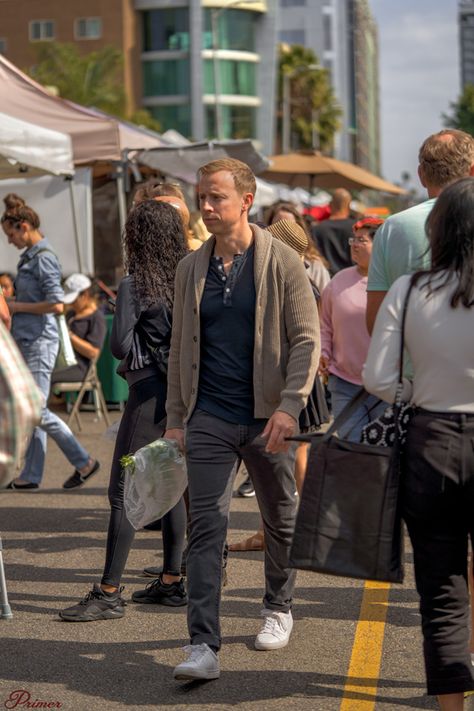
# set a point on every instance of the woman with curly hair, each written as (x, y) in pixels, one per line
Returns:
(153, 244)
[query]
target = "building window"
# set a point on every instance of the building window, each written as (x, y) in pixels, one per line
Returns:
(166, 29)
(235, 30)
(292, 3)
(327, 32)
(41, 30)
(328, 66)
(3, 45)
(177, 117)
(293, 37)
(169, 77)
(88, 28)
(237, 121)
(236, 77)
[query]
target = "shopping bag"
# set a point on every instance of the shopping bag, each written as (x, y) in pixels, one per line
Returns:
(21, 402)
(66, 356)
(155, 480)
(349, 520)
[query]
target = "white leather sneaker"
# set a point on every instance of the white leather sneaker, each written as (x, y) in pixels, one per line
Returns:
(202, 663)
(276, 630)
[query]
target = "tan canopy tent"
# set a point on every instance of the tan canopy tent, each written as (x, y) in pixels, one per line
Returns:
(308, 169)
(95, 136)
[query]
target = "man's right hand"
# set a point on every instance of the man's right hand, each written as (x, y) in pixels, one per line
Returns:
(177, 434)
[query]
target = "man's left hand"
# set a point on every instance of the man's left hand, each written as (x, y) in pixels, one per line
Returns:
(279, 426)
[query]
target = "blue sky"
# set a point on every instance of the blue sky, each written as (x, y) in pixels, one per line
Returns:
(419, 75)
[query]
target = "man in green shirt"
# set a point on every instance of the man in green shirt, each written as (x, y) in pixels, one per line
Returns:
(401, 245)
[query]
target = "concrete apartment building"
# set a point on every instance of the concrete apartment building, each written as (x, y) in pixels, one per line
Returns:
(343, 34)
(171, 49)
(466, 41)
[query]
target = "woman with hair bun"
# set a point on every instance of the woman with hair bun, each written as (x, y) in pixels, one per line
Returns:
(38, 298)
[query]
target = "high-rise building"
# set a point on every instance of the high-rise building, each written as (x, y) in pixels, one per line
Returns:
(203, 67)
(466, 37)
(343, 35)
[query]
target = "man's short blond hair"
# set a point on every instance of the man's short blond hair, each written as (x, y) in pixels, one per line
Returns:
(244, 179)
(446, 156)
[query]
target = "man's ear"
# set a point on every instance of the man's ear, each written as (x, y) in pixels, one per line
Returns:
(421, 176)
(247, 201)
(471, 170)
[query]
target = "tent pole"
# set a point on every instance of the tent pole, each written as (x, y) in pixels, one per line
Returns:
(75, 225)
(122, 203)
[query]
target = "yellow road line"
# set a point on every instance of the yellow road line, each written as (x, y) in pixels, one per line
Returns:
(361, 684)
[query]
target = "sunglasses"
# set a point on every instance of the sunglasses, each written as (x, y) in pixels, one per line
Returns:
(359, 240)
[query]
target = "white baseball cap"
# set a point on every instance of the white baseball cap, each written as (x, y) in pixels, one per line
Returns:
(74, 285)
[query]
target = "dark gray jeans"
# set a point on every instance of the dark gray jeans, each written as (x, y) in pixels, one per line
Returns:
(214, 450)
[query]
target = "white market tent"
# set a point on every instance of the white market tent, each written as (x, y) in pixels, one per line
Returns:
(24, 144)
(40, 153)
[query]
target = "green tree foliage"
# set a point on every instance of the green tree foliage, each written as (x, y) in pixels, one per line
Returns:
(142, 117)
(314, 111)
(462, 112)
(94, 79)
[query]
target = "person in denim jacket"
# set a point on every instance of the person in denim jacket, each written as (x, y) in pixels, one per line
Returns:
(38, 300)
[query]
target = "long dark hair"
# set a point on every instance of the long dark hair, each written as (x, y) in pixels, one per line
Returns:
(450, 230)
(154, 243)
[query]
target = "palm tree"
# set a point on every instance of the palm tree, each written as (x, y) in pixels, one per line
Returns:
(94, 79)
(314, 111)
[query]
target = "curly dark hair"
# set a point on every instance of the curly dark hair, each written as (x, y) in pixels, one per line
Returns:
(154, 243)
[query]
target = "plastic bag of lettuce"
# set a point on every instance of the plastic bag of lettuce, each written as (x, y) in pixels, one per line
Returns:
(155, 480)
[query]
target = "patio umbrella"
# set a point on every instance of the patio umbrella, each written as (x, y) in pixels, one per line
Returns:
(308, 169)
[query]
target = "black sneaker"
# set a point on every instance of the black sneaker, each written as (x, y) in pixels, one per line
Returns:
(160, 593)
(78, 479)
(97, 605)
(246, 489)
(154, 571)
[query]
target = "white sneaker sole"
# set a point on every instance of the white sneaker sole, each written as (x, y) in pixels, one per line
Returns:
(268, 646)
(193, 676)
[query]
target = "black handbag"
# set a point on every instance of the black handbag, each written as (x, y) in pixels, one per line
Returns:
(349, 520)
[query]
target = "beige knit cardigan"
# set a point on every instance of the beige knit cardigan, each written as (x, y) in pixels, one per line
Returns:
(287, 343)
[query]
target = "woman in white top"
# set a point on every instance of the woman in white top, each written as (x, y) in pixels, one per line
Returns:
(438, 485)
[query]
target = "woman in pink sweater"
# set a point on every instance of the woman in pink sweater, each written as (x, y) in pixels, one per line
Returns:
(344, 336)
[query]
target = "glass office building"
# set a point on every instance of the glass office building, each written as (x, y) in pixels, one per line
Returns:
(208, 67)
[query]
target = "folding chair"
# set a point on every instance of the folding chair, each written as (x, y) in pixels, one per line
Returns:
(91, 383)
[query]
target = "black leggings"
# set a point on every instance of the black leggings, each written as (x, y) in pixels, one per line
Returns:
(143, 421)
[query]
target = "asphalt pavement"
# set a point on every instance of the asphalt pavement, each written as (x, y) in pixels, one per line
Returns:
(54, 543)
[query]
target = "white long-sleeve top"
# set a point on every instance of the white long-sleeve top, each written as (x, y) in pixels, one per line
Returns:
(439, 341)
